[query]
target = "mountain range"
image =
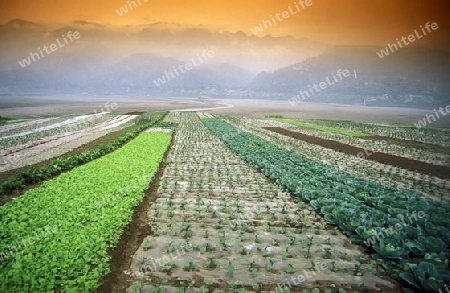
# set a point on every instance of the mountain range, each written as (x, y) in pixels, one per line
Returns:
(130, 60)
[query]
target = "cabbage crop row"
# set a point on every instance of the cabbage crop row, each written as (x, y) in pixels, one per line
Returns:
(366, 211)
(56, 237)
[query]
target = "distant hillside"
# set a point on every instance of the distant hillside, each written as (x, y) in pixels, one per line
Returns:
(135, 75)
(408, 77)
(128, 60)
(139, 73)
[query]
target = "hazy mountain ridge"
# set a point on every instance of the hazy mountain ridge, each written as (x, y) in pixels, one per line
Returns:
(128, 61)
(412, 76)
(169, 40)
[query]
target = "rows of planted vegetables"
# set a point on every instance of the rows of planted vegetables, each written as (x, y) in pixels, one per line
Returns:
(57, 166)
(408, 236)
(56, 237)
(386, 174)
(412, 149)
(219, 225)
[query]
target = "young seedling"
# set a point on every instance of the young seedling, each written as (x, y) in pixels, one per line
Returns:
(230, 269)
(170, 247)
(220, 224)
(252, 268)
(211, 263)
(292, 240)
(183, 288)
(236, 286)
(149, 265)
(335, 231)
(309, 244)
(270, 265)
(190, 267)
(157, 288)
(286, 254)
(148, 243)
(275, 242)
(289, 269)
(265, 252)
(240, 249)
(137, 287)
(242, 236)
(209, 247)
(167, 268)
(187, 233)
(207, 287)
(358, 270)
(258, 240)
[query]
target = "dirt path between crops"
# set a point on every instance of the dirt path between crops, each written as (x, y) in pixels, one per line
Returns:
(413, 165)
(132, 236)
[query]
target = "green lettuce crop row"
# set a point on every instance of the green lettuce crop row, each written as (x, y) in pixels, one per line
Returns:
(56, 237)
(58, 166)
(362, 209)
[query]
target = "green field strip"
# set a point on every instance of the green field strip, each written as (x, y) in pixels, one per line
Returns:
(56, 237)
(321, 128)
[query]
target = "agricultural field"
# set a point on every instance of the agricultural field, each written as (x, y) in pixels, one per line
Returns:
(430, 135)
(427, 185)
(436, 154)
(367, 212)
(33, 142)
(232, 206)
(219, 225)
(56, 237)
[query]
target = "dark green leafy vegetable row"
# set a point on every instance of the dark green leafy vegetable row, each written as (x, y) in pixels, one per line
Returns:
(409, 234)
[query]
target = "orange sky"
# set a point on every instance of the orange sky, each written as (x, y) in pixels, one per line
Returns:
(336, 22)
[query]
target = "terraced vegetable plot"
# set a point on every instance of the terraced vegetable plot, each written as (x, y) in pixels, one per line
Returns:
(221, 226)
(56, 237)
(416, 251)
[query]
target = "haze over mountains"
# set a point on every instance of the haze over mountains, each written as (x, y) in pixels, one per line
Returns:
(127, 60)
